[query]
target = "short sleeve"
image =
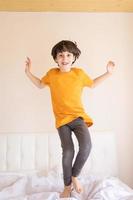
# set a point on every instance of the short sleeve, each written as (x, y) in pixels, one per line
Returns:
(46, 78)
(87, 81)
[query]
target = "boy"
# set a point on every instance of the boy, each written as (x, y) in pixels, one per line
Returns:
(66, 84)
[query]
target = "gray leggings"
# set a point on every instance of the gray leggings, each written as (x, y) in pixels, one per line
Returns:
(81, 132)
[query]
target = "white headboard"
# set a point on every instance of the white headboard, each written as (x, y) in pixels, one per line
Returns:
(42, 151)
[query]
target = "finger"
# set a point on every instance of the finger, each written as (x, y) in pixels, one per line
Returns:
(111, 63)
(28, 59)
(26, 62)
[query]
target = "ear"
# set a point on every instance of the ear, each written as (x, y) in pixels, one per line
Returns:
(55, 60)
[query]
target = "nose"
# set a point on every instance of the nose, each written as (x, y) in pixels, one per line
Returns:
(64, 57)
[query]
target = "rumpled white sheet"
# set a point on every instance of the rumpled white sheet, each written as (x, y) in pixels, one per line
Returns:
(17, 186)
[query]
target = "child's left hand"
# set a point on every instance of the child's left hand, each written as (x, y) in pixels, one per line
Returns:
(110, 67)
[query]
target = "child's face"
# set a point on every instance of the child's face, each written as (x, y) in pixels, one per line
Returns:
(65, 60)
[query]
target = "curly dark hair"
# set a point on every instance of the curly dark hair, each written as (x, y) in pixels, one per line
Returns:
(66, 45)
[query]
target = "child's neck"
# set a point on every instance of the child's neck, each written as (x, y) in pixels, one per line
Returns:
(65, 69)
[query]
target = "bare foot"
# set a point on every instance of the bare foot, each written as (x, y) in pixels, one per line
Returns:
(66, 192)
(76, 184)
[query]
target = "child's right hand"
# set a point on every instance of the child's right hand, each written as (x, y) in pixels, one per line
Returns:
(28, 65)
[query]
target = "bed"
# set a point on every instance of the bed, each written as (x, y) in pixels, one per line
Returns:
(30, 168)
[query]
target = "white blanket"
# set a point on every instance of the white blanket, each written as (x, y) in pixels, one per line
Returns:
(17, 186)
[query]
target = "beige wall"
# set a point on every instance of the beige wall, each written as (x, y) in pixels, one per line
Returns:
(101, 37)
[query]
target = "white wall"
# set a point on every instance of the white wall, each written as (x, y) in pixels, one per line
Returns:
(101, 37)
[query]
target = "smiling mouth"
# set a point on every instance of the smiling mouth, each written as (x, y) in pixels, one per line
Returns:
(65, 63)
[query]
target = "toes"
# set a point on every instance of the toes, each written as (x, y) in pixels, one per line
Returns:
(66, 193)
(79, 189)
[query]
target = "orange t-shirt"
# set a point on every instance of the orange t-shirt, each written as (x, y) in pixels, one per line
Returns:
(66, 90)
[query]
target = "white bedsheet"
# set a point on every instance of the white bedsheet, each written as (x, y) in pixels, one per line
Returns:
(17, 186)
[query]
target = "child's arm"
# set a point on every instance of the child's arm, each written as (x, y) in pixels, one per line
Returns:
(37, 82)
(100, 79)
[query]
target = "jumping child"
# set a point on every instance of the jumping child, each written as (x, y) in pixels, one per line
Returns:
(66, 84)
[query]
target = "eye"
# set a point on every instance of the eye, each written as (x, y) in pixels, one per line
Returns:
(60, 54)
(69, 55)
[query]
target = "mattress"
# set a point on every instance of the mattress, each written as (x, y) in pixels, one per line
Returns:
(30, 168)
